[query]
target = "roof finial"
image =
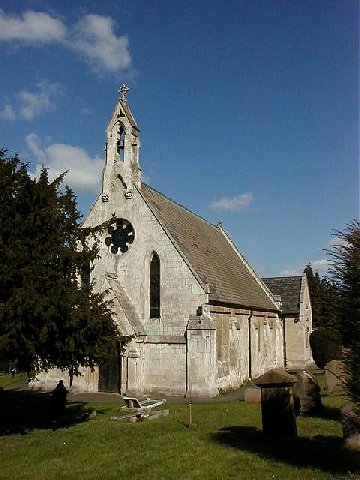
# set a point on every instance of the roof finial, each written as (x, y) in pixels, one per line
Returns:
(122, 92)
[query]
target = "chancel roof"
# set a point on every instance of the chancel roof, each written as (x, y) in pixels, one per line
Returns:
(210, 254)
(289, 290)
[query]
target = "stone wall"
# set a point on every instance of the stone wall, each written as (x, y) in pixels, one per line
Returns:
(236, 362)
(87, 381)
(297, 332)
(165, 367)
(266, 343)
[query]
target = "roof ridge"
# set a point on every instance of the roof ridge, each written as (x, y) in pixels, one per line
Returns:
(85, 217)
(285, 276)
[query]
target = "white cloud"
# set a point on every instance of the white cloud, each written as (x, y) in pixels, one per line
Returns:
(233, 204)
(31, 104)
(35, 103)
(8, 113)
(31, 27)
(290, 272)
(320, 266)
(32, 142)
(93, 36)
(335, 242)
(84, 172)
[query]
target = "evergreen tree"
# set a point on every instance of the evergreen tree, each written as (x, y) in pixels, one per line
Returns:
(47, 318)
(324, 302)
(346, 273)
(325, 340)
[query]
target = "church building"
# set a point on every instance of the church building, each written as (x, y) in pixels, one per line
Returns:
(198, 317)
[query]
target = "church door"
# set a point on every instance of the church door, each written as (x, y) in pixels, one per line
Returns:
(109, 372)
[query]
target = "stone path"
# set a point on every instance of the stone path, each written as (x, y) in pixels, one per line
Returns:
(115, 397)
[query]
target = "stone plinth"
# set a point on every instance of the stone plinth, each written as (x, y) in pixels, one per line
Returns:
(253, 395)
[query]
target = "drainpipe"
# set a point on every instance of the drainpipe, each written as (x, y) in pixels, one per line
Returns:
(284, 341)
(249, 329)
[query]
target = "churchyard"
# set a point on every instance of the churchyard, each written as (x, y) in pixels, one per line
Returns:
(224, 442)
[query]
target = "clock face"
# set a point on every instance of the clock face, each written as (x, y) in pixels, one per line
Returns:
(120, 236)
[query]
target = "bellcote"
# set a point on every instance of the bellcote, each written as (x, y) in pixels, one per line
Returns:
(121, 170)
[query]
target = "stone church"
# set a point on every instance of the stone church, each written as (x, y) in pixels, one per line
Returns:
(198, 317)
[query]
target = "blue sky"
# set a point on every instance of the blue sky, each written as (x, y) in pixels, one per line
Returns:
(248, 109)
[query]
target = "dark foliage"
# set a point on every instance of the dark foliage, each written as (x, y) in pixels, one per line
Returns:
(47, 319)
(324, 301)
(27, 410)
(346, 273)
(325, 346)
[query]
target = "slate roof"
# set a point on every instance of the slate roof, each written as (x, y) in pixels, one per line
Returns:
(122, 300)
(289, 290)
(210, 254)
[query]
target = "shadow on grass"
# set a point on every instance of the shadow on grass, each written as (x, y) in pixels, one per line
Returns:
(321, 452)
(329, 413)
(23, 411)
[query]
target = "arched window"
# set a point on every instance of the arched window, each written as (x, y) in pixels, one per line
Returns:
(155, 286)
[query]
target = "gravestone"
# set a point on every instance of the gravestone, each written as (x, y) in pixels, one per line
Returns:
(350, 419)
(253, 395)
(307, 394)
(277, 405)
(335, 376)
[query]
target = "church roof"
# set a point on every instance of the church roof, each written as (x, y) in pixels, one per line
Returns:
(289, 290)
(210, 254)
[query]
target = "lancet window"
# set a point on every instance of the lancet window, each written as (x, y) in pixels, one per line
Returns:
(155, 286)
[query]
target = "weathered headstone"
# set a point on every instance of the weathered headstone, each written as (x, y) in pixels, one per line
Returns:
(277, 407)
(253, 395)
(307, 392)
(335, 376)
(350, 416)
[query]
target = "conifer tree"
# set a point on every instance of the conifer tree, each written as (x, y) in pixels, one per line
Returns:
(47, 318)
(324, 301)
(325, 340)
(346, 273)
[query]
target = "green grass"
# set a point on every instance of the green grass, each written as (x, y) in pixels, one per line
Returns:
(6, 380)
(225, 442)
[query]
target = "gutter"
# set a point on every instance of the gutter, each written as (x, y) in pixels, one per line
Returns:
(249, 349)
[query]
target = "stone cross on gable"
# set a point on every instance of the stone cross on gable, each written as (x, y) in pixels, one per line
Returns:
(122, 92)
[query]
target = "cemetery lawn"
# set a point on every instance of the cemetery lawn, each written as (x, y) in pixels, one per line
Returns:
(225, 442)
(6, 380)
